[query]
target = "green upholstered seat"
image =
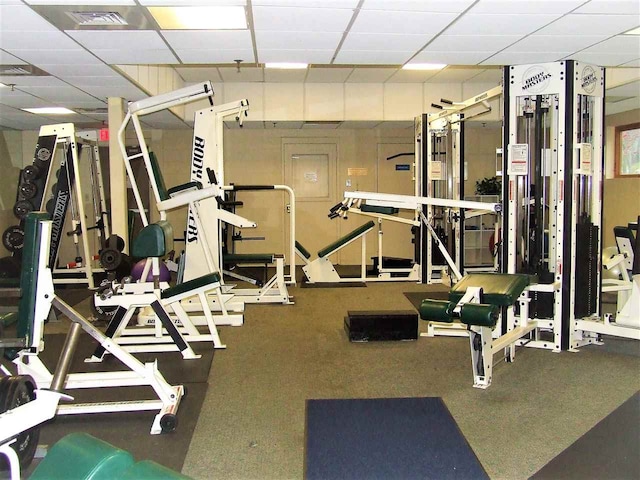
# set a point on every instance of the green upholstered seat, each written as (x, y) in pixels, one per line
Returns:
(148, 470)
(157, 176)
(81, 456)
(29, 274)
(190, 285)
(154, 240)
(346, 239)
(379, 209)
(502, 289)
(305, 253)
(248, 257)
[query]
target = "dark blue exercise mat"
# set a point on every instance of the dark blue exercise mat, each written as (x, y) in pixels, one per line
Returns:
(387, 438)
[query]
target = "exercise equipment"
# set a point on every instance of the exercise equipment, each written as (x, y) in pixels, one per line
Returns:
(477, 301)
(367, 326)
(38, 297)
(136, 272)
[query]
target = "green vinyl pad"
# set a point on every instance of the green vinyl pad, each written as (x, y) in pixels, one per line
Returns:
(436, 310)
(502, 289)
(379, 209)
(148, 470)
(81, 456)
(479, 314)
(248, 257)
(361, 230)
(302, 250)
(154, 240)
(190, 285)
(157, 176)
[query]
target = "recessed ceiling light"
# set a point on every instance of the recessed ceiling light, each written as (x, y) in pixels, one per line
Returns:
(3, 85)
(635, 31)
(287, 65)
(49, 111)
(424, 66)
(200, 18)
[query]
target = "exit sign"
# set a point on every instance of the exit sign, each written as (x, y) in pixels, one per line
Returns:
(104, 135)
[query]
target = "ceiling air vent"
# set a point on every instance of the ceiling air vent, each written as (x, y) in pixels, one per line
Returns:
(97, 18)
(13, 70)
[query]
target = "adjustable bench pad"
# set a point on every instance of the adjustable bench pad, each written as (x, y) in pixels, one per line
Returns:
(502, 289)
(346, 239)
(192, 284)
(154, 240)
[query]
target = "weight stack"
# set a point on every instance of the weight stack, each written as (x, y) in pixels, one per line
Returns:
(586, 277)
(372, 326)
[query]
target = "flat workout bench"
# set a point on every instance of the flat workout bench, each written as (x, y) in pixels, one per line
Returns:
(477, 301)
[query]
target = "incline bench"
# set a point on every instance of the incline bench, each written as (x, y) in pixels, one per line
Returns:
(321, 270)
(477, 301)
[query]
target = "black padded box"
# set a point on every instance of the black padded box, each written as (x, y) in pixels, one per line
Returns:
(369, 326)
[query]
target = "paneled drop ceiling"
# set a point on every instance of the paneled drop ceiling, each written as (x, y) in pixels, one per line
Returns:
(50, 60)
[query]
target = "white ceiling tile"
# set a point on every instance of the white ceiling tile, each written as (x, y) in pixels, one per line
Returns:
(77, 2)
(384, 41)
(362, 57)
(632, 63)
(328, 75)
(115, 39)
(218, 39)
(619, 44)
(284, 40)
(370, 75)
(514, 24)
(246, 74)
(10, 2)
(411, 76)
(522, 58)
(472, 43)
(435, 6)
(284, 76)
(8, 59)
(451, 57)
(199, 74)
(591, 25)
(129, 92)
(455, 75)
(493, 75)
(70, 57)
(378, 21)
(20, 99)
(525, 6)
(289, 19)
(32, 81)
(308, 3)
(296, 56)
(20, 18)
(137, 57)
(631, 89)
(171, 3)
(25, 40)
(112, 81)
(609, 7)
(545, 43)
(58, 94)
(199, 55)
(603, 59)
(65, 70)
(359, 124)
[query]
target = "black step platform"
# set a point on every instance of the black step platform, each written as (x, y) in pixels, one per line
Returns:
(368, 326)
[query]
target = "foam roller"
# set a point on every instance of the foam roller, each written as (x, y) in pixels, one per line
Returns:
(436, 310)
(482, 315)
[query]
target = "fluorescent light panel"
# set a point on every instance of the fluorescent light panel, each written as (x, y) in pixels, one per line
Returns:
(424, 66)
(286, 65)
(200, 18)
(49, 111)
(635, 31)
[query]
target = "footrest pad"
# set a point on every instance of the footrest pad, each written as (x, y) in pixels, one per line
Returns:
(436, 310)
(190, 285)
(479, 314)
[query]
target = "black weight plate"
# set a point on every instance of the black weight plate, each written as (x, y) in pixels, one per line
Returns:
(4, 391)
(110, 259)
(50, 206)
(21, 392)
(28, 190)
(103, 313)
(9, 267)
(54, 188)
(22, 208)
(13, 238)
(31, 173)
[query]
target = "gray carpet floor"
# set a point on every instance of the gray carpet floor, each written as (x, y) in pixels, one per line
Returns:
(252, 422)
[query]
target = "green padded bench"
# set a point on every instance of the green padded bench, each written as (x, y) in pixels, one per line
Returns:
(362, 229)
(498, 290)
(80, 456)
(305, 253)
(248, 257)
(191, 285)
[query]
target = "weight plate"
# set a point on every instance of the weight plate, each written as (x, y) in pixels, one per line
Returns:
(50, 206)
(22, 208)
(19, 390)
(110, 259)
(13, 238)
(115, 242)
(101, 312)
(54, 189)
(28, 190)
(31, 173)
(44, 154)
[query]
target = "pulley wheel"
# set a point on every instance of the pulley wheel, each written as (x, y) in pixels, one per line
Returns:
(13, 238)
(31, 173)
(28, 190)
(16, 391)
(22, 208)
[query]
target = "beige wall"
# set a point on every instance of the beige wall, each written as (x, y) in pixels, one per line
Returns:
(480, 143)
(621, 203)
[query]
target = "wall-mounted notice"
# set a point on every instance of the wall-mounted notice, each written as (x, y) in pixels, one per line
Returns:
(518, 159)
(585, 166)
(357, 172)
(435, 172)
